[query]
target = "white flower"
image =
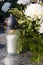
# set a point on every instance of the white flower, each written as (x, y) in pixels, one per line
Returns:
(24, 2)
(6, 6)
(34, 11)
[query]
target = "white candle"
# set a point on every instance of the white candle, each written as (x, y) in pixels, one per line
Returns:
(11, 43)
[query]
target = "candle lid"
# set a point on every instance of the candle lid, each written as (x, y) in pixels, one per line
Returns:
(12, 22)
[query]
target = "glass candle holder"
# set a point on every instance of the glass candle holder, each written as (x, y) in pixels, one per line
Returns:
(12, 28)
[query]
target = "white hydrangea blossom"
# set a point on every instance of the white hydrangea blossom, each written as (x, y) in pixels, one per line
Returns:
(6, 6)
(34, 11)
(24, 2)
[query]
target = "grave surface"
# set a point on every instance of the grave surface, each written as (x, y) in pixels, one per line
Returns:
(5, 58)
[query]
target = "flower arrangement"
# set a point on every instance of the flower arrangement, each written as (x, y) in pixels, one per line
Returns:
(30, 34)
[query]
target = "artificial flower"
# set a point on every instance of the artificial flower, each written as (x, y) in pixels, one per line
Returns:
(6, 6)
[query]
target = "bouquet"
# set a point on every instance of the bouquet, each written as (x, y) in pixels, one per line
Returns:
(30, 34)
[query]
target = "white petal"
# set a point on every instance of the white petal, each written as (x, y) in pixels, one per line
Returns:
(34, 10)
